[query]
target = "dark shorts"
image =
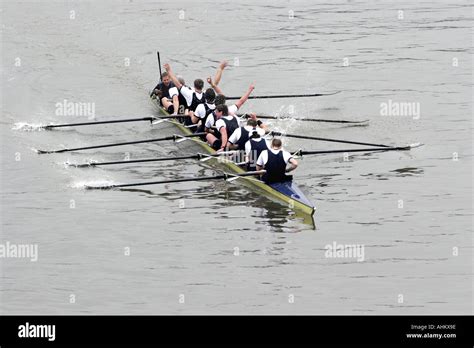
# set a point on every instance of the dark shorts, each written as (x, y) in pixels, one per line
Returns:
(217, 144)
(170, 109)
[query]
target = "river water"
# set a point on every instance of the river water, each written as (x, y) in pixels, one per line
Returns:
(216, 247)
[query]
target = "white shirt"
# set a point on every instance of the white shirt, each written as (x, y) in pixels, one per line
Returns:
(232, 109)
(220, 122)
(235, 137)
(211, 120)
(173, 91)
(187, 93)
(263, 158)
(201, 110)
(248, 145)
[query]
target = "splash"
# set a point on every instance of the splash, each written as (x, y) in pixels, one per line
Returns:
(28, 127)
(83, 184)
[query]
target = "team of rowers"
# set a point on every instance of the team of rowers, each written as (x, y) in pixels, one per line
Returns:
(207, 112)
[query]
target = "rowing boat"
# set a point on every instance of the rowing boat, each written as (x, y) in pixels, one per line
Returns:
(287, 193)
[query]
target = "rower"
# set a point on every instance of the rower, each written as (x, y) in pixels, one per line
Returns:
(183, 104)
(219, 125)
(239, 138)
(274, 161)
(167, 94)
(254, 147)
(194, 96)
(205, 109)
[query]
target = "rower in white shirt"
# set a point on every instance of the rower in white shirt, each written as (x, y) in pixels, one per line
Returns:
(205, 109)
(254, 147)
(218, 127)
(193, 96)
(241, 135)
(275, 161)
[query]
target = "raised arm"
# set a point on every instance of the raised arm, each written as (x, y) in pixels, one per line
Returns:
(173, 76)
(219, 72)
(244, 98)
(214, 86)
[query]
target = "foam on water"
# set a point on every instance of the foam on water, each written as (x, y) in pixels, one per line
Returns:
(28, 127)
(81, 184)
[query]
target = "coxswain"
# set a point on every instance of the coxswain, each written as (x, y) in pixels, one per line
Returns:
(167, 94)
(275, 161)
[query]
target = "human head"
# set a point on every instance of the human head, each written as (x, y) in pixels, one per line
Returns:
(252, 123)
(198, 84)
(210, 95)
(181, 80)
(220, 100)
(222, 110)
(255, 134)
(276, 143)
(165, 78)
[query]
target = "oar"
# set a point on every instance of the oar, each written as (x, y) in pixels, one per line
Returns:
(154, 118)
(172, 137)
(324, 139)
(278, 118)
(394, 148)
(286, 96)
(150, 119)
(268, 117)
(158, 159)
(224, 176)
(159, 62)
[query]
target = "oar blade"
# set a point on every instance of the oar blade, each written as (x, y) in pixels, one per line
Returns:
(105, 187)
(41, 152)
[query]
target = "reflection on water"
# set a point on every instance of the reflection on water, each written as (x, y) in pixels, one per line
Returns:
(408, 171)
(190, 249)
(401, 172)
(223, 195)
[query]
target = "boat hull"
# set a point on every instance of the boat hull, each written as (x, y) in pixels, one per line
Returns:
(287, 193)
